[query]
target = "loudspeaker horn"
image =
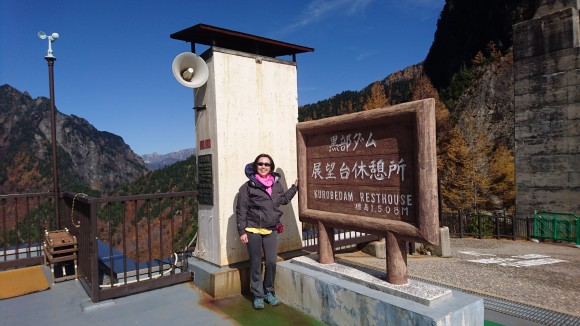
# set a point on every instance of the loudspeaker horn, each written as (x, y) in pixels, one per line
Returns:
(190, 70)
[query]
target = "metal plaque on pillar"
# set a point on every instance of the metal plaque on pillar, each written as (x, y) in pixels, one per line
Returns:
(204, 180)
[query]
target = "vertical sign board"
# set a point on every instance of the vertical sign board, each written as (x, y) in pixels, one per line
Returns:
(372, 171)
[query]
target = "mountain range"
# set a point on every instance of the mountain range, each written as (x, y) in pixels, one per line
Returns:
(88, 159)
(157, 161)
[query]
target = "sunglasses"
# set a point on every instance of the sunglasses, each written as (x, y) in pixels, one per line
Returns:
(263, 164)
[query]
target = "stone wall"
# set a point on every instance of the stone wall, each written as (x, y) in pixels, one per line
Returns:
(547, 109)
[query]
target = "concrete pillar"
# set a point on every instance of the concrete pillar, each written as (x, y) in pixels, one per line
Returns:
(444, 247)
(547, 109)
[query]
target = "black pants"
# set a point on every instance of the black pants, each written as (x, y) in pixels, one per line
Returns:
(269, 243)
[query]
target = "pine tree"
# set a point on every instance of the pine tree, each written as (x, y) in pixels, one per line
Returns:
(421, 89)
(502, 171)
(479, 148)
(452, 167)
(479, 59)
(377, 98)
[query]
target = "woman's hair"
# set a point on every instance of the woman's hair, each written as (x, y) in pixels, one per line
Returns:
(272, 166)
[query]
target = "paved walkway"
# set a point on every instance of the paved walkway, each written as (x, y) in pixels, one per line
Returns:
(508, 274)
(67, 303)
(538, 275)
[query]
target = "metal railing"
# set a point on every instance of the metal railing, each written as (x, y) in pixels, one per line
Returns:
(342, 238)
(557, 226)
(23, 219)
(131, 244)
(126, 244)
(479, 225)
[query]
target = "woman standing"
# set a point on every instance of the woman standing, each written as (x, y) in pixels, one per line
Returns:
(258, 214)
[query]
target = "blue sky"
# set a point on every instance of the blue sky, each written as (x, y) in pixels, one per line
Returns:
(114, 58)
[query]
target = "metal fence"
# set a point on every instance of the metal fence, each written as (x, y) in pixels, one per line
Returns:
(126, 244)
(23, 220)
(343, 239)
(557, 226)
(131, 244)
(481, 225)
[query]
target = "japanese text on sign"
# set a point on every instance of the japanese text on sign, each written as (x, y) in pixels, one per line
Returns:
(372, 169)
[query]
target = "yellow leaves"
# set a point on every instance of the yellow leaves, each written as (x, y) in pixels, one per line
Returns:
(472, 174)
(479, 59)
(377, 99)
(421, 89)
(454, 167)
(502, 170)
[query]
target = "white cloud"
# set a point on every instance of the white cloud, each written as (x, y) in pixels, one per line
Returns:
(363, 55)
(420, 8)
(320, 9)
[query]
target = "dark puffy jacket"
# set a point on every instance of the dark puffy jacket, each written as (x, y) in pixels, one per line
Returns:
(255, 208)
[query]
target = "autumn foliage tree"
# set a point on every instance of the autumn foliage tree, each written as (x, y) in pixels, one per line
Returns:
(479, 147)
(474, 162)
(503, 186)
(451, 165)
(377, 98)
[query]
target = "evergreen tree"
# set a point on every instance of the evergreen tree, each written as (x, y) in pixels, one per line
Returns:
(502, 171)
(377, 98)
(452, 167)
(479, 149)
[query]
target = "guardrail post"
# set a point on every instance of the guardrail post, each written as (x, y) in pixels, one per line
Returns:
(460, 224)
(93, 254)
(498, 236)
(578, 231)
(555, 227)
(479, 226)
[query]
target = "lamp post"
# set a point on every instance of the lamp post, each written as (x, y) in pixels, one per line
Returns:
(50, 59)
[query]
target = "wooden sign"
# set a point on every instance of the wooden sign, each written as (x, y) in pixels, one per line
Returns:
(372, 171)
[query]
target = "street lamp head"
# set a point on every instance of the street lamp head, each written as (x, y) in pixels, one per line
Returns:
(42, 35)
(54, 36)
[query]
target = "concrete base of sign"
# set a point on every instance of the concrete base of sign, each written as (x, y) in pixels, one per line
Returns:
(444, 247)
(224, 281)
(378, 248)
(338, 294)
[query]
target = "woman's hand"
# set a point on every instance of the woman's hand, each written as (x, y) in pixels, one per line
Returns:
(296, 183)
(244, 238)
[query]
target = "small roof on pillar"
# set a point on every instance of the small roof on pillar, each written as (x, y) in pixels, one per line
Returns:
(238, 41)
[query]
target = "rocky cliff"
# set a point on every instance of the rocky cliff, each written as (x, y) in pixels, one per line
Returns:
(87, 157)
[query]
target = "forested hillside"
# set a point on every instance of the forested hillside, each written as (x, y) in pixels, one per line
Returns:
(89, 160)
(180, 176)
(466, 28)
(469, 73)
(156, 216)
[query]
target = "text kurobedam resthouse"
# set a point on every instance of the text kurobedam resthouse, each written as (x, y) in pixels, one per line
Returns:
(374, 175)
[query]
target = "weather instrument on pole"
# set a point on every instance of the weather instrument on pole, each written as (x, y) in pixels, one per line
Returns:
(51, 38)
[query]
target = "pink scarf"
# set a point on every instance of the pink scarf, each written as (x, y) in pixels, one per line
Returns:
(268, 181)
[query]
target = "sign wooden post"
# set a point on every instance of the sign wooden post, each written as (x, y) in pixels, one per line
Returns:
(325, 243)
(375, 172)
